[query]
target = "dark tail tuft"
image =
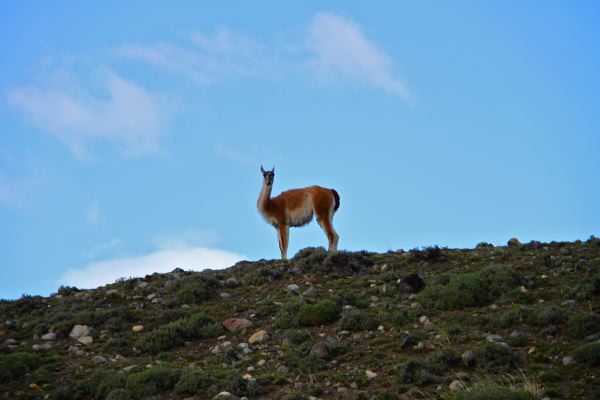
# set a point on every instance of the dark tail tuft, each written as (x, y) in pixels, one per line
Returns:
(336, 196)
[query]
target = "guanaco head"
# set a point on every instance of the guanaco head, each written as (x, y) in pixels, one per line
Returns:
(268, 175)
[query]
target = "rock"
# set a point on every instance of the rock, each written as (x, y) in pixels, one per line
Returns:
(569, 303)
(493, 338)
(259, 337)
(407, 342)
(293, 287)
(99, 360)
(234, 324)
(346, 394)
(423, 319)
(262, 362)
(45, 346)
(131, 368)
(456, 385)
(468, 357)
(232, 283)
(34, 386)
(514, 242)
(370, 374)
(85, 340)
(225, 396)
(320, 350)
(142, 285)
(568, 360)
(312, 292)
(79, 331)
(248, 377)
(11, 342)
(414, 281)
(151, 296)
(50, 336)
(521, 334)
(137, 328)
(225, 295)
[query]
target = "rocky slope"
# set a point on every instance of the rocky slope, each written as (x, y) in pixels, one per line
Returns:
(514, 322)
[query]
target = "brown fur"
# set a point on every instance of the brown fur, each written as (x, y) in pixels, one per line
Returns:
(297, 207)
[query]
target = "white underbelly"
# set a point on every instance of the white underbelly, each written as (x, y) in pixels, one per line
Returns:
(300, 216)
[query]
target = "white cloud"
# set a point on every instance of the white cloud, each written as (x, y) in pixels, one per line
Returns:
(93, 213)
(128, 116)
(206, 59)
(163, 260)
(340, 50)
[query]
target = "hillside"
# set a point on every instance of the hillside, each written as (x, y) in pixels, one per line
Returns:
(514, 322)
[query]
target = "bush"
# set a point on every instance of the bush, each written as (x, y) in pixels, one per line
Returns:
(151, 381)
(287, 317)
(492, 392)
(581, 325)
(552, 315)
(358, 320)
(198, 326)
(109, 383)
(323, 312)
(192, 381)
(119, 394)
(441, 361)
(472, 289)
(588, 354)
(413, 372)
(14, 366)
(494, 357)
(196, 288)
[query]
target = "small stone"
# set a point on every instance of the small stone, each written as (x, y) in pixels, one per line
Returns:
(232, 282)
(131, 369)
(137, 328)
(346, 394)
(381, 328)
(320, 350)
(225, 295)
(250, 369)
(85, 340)
(531, 350)
(234, 324)
(568, 360)
(370, 374)
(423, 319)
(374, 299)
(456, 385)
(142, 285)
(45, 346)
(10, 342)
(50, 336)
(99, 360)
(151, 296)
(259, 337)
(522, 289)
(261, 362)
(155, 300)
(248, 377)
(494, 307)
(493, 338)
(312, 292)
(569, 303)
(79, 331)
(514, 242)
(293, 287)
(468, 357)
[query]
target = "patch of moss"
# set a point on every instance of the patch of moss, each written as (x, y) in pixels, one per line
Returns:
(581, 325)
(193, 381)
(323, 312)
(358, 320)
(494, 357)
(588, 354)
(151, 382)
(16, 365)
(460, 290)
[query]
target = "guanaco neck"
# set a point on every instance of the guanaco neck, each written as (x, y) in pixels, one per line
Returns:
(264, 198)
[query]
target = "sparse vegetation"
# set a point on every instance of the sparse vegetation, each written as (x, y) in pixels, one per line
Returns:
(511, 322)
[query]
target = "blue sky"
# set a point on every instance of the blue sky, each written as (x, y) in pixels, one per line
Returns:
(132, 133)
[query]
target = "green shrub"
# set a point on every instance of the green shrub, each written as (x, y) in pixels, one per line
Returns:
(492, 392)
(14, 366)
(325, 311)
(588, 354)
(109, 383)
(581, 325)
(413, 372)
(119, 394)
(358, 320)
(385, 395)
(193, 381)
(287, 317)
(198, 326)
(494, 357)
(440, 362)
(460, 290)
(196, 288)
(151, 381)
(552, 315)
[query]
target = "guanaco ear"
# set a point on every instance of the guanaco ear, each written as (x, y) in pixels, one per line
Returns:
(273, 169)
(262, 170)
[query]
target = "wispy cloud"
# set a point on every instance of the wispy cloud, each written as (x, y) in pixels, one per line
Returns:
(162, 260)
(93, 213)
(205, 59)
(340, 50)
(127, 116)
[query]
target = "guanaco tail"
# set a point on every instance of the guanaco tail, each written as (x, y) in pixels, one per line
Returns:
(297, 207)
